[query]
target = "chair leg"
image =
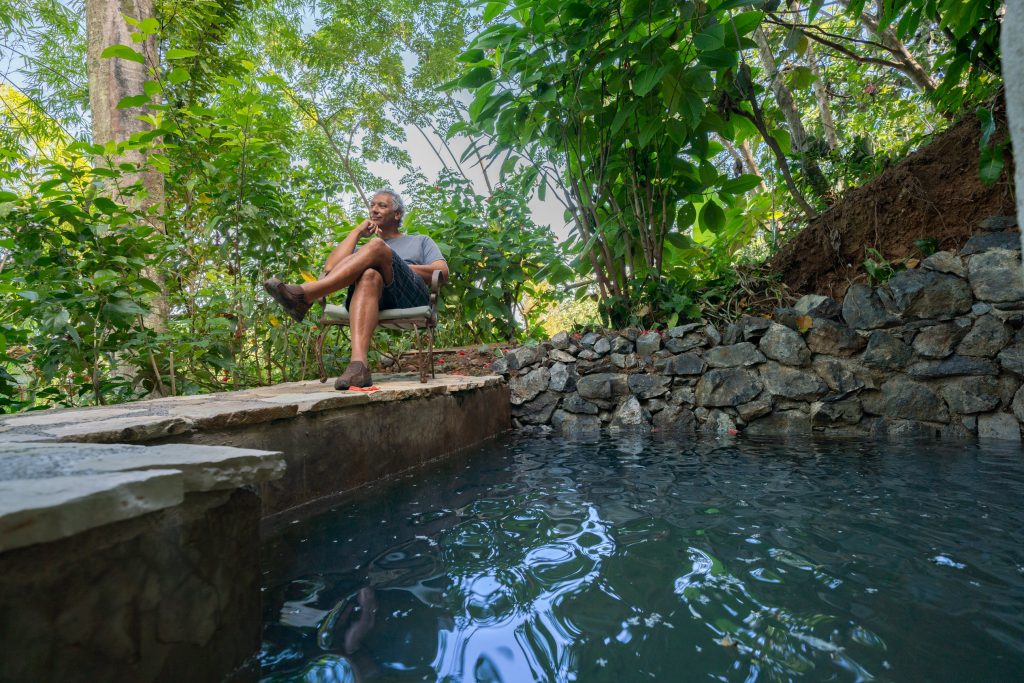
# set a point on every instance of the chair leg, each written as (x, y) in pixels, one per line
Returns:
(423, 358)
(430, 356)
(319, 348)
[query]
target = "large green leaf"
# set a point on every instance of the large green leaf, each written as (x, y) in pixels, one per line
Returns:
(123, 52)
(712, 218)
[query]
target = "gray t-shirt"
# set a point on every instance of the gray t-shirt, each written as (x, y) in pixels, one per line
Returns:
(418, 250)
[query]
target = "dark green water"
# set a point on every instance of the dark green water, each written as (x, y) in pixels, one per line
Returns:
(636, 559)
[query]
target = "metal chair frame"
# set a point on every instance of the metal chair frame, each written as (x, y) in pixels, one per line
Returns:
(428, 322)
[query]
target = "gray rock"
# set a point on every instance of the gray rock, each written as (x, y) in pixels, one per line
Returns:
(971, 394)
(833, 339)
(561, 341)
(648, 343)
(560, 356)
(683, 330)
(951, 367)
(719, 422)
(981, 308)
(602, 346)
(596, 386)
(1009, 383)
(712, 335)
(630, 415)
(1012, 358)
(500, 366)
(945, 262)
(755, 409)
(562, 377)
(782, 423)
(734, 355)
(528, 386)
(520, 357)
(925, 294)
(818, 306)
(785, 345)
(1018, 404)
(587, 354)
(683, 396)
(913, 429)
(886, 352)
(939, 341)
(588, 340)
(655, 405)
(621, 345)
(995, 275)
(753, 327)
(1010, 241)
(683, 344)
(830, 413)
(727, 387)
(675, 419)
(574, 403)
(998, 427)
(998, 223)
(863, 310)
(841, 376)
(988, 336)
(538, 411)
(624, 361)
(782, 380)
(620, 384)
(683, 364)
(576, 426)
(648, 386)
(787, 317)
(733, 333)
(903, 399)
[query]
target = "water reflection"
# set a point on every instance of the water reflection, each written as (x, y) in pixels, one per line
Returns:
(638, 559)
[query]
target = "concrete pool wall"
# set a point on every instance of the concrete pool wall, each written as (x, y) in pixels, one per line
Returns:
(121, 561)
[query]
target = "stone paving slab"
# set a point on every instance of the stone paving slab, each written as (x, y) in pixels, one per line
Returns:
(146, 421)
(53, 490)
(42, 510)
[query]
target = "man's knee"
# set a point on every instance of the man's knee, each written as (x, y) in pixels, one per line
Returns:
(370, 279)
(379, 247)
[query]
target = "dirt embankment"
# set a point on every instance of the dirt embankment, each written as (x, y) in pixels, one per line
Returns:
(935, 193)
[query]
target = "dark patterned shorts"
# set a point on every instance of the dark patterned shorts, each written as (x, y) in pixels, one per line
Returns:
(407, 289)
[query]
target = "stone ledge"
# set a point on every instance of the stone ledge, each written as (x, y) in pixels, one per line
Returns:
(166, 418)
(50, 491)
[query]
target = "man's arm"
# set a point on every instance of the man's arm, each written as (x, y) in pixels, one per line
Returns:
(348, 245)
(427, 271)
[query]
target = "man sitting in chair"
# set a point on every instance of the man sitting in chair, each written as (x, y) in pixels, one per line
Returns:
(392, 270)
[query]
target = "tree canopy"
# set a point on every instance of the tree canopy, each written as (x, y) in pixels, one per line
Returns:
(684, 141)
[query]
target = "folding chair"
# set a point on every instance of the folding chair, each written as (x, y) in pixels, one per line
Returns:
(393, 319)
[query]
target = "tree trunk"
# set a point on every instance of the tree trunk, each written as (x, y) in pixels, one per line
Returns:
(828, 124)
(784, 98)
(1012, 43)
(111, 80)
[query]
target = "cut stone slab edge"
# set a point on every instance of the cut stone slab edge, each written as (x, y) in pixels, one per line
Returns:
(36, 511)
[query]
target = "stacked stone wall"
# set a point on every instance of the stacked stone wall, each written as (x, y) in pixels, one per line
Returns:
(936, 351)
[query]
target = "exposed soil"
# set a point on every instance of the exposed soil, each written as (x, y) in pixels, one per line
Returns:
(463, 360)
(935, 193)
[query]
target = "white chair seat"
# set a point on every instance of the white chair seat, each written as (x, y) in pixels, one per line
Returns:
(392, 318)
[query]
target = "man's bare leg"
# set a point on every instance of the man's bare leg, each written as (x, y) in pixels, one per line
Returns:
(375, 255)
(363, 312)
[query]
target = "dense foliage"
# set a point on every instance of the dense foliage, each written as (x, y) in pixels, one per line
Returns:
(680, 138)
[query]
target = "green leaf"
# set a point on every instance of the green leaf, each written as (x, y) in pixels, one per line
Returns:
(149, 26)
(472, 56)
(151, 88)
(133, 101)
(991, 164)
(180, 53)
(800, 78)
(123, 52)
(649, 78)
(106, 205)
(476, 77)
(741, 184)
(711, 38)
(178, 75)
(712, 218)
(493, 9)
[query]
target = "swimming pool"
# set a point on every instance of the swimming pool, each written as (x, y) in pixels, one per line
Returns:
(640, 558)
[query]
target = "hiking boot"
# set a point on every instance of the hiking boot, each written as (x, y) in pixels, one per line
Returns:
(291, 298)
(355, 375)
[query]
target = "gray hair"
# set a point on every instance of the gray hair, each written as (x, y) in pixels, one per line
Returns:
(396, 200)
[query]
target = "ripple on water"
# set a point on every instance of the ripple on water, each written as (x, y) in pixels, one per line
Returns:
(640, 558)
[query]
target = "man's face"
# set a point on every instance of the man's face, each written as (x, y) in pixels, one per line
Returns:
(382, 210)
